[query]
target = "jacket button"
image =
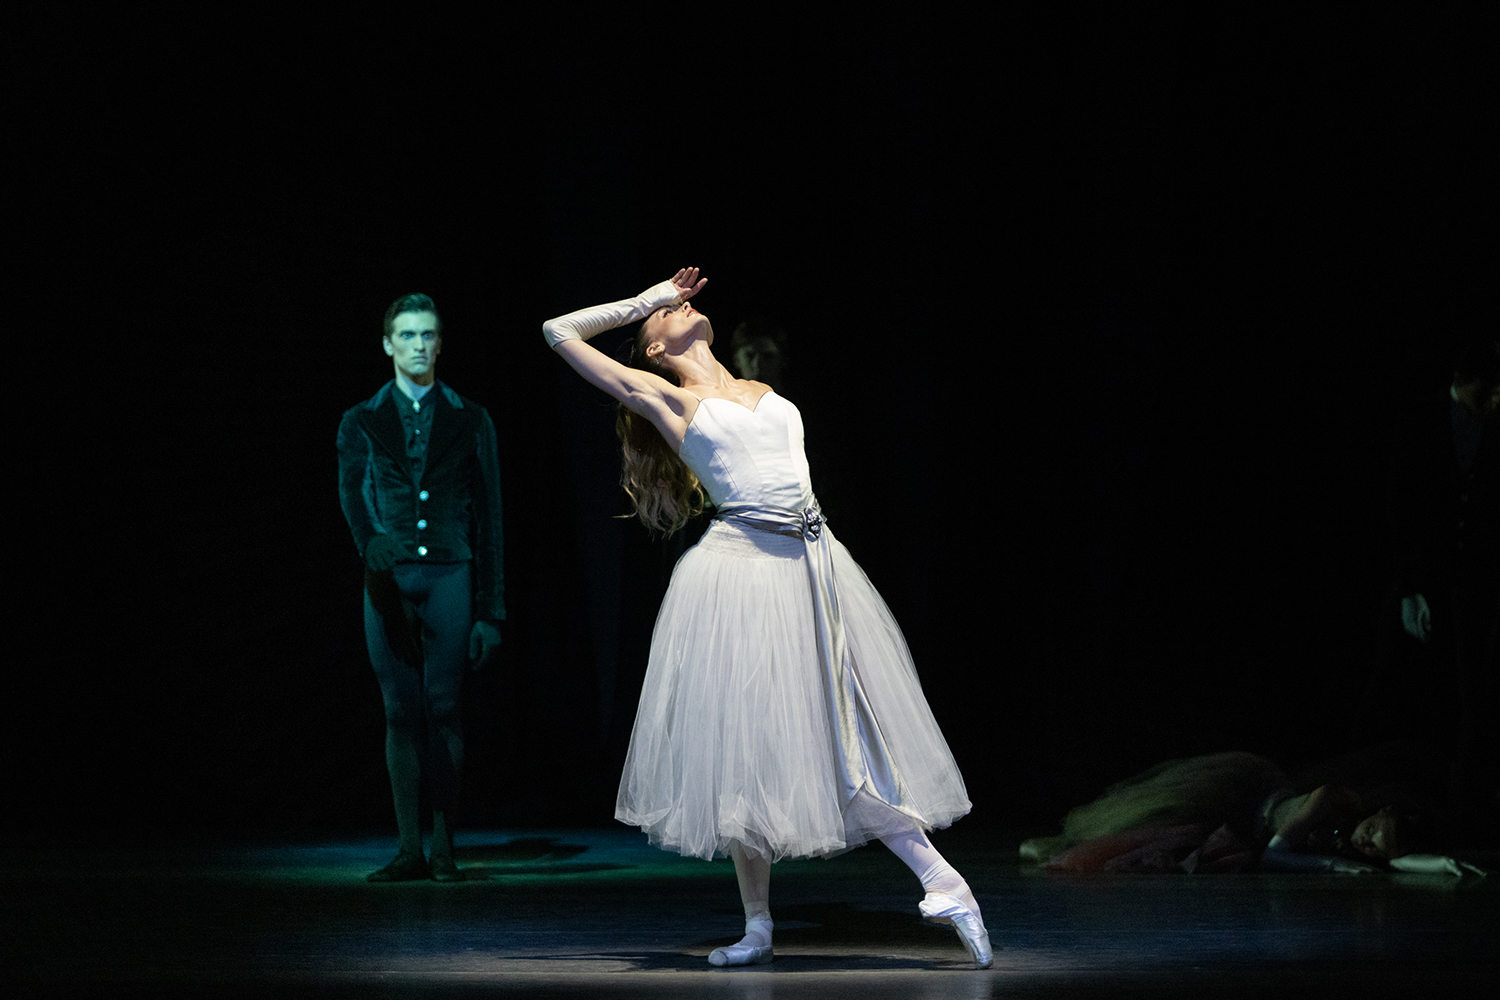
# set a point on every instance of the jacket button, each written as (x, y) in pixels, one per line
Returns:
(421, 524)
(422, 495)
(421, 550)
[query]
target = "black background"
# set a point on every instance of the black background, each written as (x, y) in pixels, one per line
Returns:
(1099, 323)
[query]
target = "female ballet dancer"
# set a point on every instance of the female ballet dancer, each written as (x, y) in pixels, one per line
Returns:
(781, 715)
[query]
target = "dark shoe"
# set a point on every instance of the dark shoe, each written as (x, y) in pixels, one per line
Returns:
(444, 869)
(406, 868)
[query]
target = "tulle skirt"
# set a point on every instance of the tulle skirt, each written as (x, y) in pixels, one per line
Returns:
(1175, 804)
(733, 739)
(1214, 788)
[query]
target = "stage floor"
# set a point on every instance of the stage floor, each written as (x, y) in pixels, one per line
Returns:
(598, 913)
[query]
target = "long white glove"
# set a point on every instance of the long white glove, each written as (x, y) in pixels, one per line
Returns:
(1278, 857)
(1435, 864)
(590, 322)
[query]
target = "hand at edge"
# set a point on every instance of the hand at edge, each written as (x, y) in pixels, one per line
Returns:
(687, 283)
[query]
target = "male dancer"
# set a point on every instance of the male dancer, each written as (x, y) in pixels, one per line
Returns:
(1445, 519)
(419, 483)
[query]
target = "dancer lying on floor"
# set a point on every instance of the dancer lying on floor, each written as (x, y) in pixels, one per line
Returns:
(781, 715)
(1230, 812)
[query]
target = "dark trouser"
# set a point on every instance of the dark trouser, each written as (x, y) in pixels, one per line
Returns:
(1475, 790)
(423, 733)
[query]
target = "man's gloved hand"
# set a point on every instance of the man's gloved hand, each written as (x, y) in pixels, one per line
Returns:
(382, 553)
(398, 617)
(1416, 617)
(484, 640)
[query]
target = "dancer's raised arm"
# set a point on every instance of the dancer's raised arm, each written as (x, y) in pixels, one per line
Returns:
(656, 399)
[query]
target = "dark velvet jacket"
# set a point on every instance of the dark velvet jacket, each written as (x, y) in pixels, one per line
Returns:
(1445, 521)
(457, 501)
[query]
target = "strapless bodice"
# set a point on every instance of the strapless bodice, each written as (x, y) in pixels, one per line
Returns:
(749, 456)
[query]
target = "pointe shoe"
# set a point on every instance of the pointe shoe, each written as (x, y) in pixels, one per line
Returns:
(941, 908)
(742, 953)
(406, 867)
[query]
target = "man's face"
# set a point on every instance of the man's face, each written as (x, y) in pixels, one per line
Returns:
(759, 359)
(1480, 398)
(414, 344)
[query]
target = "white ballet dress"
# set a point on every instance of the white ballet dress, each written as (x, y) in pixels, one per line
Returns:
(780, 707)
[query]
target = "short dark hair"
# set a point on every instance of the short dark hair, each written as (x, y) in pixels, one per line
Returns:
(409, 303)
(1478, 361)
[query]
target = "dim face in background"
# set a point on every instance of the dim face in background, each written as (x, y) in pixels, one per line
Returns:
(760, 359)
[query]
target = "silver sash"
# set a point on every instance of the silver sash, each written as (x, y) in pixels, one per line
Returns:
(864, 760)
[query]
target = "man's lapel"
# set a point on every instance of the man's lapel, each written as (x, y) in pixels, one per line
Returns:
(448, 423)
(383, 424)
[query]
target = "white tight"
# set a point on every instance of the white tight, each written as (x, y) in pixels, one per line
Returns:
(935, 873)
(912, 847)
(754, 875)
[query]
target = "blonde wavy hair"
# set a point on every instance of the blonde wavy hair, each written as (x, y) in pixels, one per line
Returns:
(663, 490)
